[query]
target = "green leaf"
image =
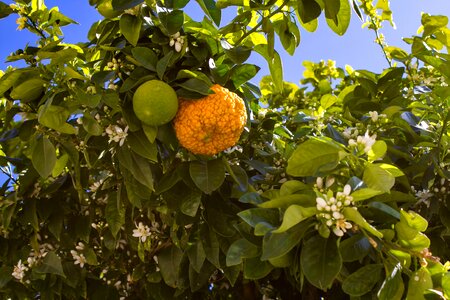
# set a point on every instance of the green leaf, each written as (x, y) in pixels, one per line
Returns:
(191, 203)
(354, 248)
(137, 165)
(377, 151)
(327, 101)
(125, 4)
(392, 287)
(378, 178)
(5, 275)
(141, 145)
(419, 282)
(275, 65)
(91, 125)
(287, 200)
(29, 90)
(332, 8)
(240, 249)
(353, 215)
(150, 132)
(341, 21)
(146, 57)
(196, 255)
(5, 10)
(446, 284)
(199, 279)
(55, 117)
(293, 215)
(211, 10)
(385, 208)
(364, 194)
(162, 64)
(172, 20)
(238, 54)
(115, 213)
(321, 261)
(278, 244)
(130, 26)
(208, 176)
(169, 261)
(363, 280)
(210, 245)
(314, 157)
(241, 74)
(254, 216)
(60, 165)
(292, 186)
(308, 10)
(413, 220)
(256, 269)
(196, 85)
(51, 264)
(44, 157)
(433, 23)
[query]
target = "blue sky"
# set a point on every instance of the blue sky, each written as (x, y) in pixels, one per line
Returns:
(355, 48)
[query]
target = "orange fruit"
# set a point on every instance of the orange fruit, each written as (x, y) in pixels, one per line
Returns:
(211, 124)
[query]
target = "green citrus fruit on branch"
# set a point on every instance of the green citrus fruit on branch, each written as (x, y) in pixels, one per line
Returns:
(155, 103)
(106, 9)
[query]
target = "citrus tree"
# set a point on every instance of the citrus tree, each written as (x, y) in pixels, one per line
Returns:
(143, 164)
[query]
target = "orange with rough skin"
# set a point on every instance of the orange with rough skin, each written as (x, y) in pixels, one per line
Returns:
(211, 124)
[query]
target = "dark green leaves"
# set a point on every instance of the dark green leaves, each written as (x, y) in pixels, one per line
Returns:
(51, 264)
(172, 20)
(338, 13)
(308, 10)
(44, 157)
(146, 57)
(29, 90)
(363, 280)
(321, 261)
(240, 249)
(169, 261)
(115, 213)
(130, 26)
(125, 4)
(207, 175)
(5, 10)
(211, 10)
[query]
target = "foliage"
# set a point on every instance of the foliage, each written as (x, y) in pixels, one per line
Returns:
(338, 186)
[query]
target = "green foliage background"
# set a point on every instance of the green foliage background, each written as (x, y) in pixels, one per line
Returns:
(337, 189)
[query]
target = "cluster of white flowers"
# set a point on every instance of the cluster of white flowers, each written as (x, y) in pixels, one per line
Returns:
(142, 232)
(350, 132)
(329, 181)
(79, 258)
(374, 116)
(330, 210)
(19, 270)
(35, 256)
(176, 41)
(363, 143)
(116, 134)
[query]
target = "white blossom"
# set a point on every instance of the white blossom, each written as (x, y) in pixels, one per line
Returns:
(142, 232)
(117, 134)
(424, 197)
(364, 143)
(176, 41)
(78, 257)
(331, 207)
(19, 270)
